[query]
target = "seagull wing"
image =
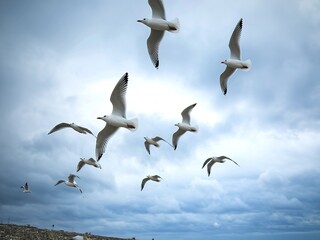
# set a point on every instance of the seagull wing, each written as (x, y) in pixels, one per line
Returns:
(186, 113)
(59, 127)
(233, 161)
(102, 139)
(144, 182)
(176, 136)
(147, 145)
(224, 79)
(153, 43)
(209, 166)
(157, 9)
(118, 97)
(157, 138)
(26, 186)
(72, 177)
(80, 165)
(234, 41)
(206, 161)
(91, 160)
(60, 181)
(86, 130)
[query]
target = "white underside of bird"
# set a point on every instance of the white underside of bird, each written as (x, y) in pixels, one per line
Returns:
(70, 182)
(184, 126)
(158, 25)
(234, 62)
(117, 118)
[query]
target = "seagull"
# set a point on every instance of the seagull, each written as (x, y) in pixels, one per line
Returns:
(234, 61)
(26, 188)
(71, 125)
(158, 25)
(71, 182)
(183, 126)
(89, 161)
(117, 118)
(212, 160)
(153, 141)
(155, 178)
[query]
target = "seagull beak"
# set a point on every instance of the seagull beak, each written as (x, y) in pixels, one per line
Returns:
(98, 117)
(139, 20)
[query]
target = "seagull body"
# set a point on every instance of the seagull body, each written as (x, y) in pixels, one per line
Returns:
(184, 126)
(117, 118)
(234, 62)
(71, 125)
(158, 25)
(26, 188)
(89, 161)
(212, 160)
(153, 141)
(155, 178)
(71, 182)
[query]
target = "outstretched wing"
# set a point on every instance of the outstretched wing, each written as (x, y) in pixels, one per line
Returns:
(158, 10)
(176, 136)
(234, 44)
(224, 79)
(144, 182)
(186, 113)
(59, 127)
(153, 43)
(118, 97)
(102, 139)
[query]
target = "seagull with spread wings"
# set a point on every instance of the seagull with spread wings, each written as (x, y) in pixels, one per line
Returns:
(158, 25)
(234, 62)
(71, 182)
(117, 118)
(184, 126)
(212, 160)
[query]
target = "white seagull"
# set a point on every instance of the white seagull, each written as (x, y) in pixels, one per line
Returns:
(155, 178)
(183, 126)
(158, 25)
(234, 61)
(26, 188)
(71, 182)
(117, 118)
(153, 141)
(89, 161)
(73, 126)
(212, 160)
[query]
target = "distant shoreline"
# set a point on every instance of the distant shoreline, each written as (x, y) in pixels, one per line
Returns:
(28, 232)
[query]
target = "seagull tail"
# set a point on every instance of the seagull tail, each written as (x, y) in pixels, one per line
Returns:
(133, 124)
(174, 26)
(247, 65)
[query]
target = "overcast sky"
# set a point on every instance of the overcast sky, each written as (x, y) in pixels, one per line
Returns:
(59, 62)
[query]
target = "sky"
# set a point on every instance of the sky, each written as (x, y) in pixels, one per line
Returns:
(59, 62)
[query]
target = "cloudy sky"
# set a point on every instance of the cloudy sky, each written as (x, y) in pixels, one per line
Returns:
(59, 62)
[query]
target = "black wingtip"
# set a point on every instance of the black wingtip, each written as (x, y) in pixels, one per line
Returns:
(240, 23)
(225, 92)
(157, 65)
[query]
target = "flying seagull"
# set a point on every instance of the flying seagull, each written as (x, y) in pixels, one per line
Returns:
(155, 178)
(234, 61)
(183, 126)
(153, 141)
(89, 161)
(212, 160)
(71, 182)
(71, 125)
(158, 25)
(26, 188)
(117, 118)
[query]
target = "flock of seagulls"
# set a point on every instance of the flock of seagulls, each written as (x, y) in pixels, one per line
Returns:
(118, 119)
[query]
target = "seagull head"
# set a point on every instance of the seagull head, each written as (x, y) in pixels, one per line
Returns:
(142, 20)
(104, 118)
